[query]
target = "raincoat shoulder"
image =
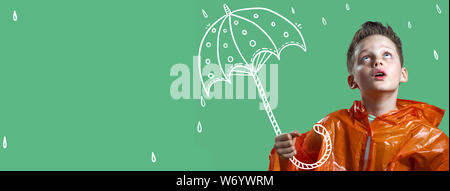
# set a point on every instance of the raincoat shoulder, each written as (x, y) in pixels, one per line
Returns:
(425, 147)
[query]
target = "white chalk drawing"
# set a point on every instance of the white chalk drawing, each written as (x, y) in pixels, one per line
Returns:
(409, 25)
(250, 50)
(230, 59)
(153, 157)
(5, 144)
(204, 14)
(202, 101)
(436, 56)
(438, 9)
(14, 16)
(292, 10)
(199, 127)
(347, 7)
(324, 22)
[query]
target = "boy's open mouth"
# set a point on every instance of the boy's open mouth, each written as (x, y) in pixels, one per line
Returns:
(379, 74)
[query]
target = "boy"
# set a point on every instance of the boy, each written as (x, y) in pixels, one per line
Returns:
(380, 132)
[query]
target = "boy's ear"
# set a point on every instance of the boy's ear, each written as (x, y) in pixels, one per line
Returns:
(404, 76)
(351, 82)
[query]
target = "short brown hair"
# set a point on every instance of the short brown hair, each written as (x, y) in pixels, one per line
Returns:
(372, 28)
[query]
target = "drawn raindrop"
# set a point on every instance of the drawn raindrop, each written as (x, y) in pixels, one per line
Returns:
(436, 56)
(438, 9)
(347, 7)
(5, 144)
(202, 101)
(286, 34)
(409, 25)
(153, 157)
(255, 16)
(244, 32)
(14, 16)
(199, 127)
(204, 14)
(292, 9)
(324, 22)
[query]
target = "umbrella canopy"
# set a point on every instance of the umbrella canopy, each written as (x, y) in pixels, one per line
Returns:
(245, 39)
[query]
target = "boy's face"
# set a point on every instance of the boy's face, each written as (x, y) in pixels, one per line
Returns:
(376, 66)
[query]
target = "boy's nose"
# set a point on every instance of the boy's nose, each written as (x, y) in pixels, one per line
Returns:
(377, 63)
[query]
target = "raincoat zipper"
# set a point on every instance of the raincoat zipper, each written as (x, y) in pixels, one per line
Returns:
(368, 144)
(366, 152)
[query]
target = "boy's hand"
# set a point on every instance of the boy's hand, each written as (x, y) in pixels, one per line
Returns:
(285, 144)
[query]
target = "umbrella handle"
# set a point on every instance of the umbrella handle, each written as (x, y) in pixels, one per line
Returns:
(318, 128)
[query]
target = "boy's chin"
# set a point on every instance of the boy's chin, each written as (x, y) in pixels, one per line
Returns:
(380, 90)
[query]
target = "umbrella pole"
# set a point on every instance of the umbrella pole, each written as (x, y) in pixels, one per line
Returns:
(262, 95)
(318, 128)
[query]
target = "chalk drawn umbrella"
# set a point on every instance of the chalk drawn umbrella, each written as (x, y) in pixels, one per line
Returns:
(240, 43)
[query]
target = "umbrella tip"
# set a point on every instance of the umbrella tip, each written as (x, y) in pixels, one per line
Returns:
(227, 9)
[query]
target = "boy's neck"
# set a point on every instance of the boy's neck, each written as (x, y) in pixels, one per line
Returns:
(379, 103)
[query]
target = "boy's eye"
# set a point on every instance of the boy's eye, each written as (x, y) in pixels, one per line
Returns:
(387, 55)
(365, 59)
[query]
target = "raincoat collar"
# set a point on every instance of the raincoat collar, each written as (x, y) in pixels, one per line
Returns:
(422, 110)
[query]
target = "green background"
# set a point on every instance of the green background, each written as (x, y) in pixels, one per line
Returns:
(85, 85)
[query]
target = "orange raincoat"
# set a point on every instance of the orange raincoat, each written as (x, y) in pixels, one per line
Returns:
(401, 140)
